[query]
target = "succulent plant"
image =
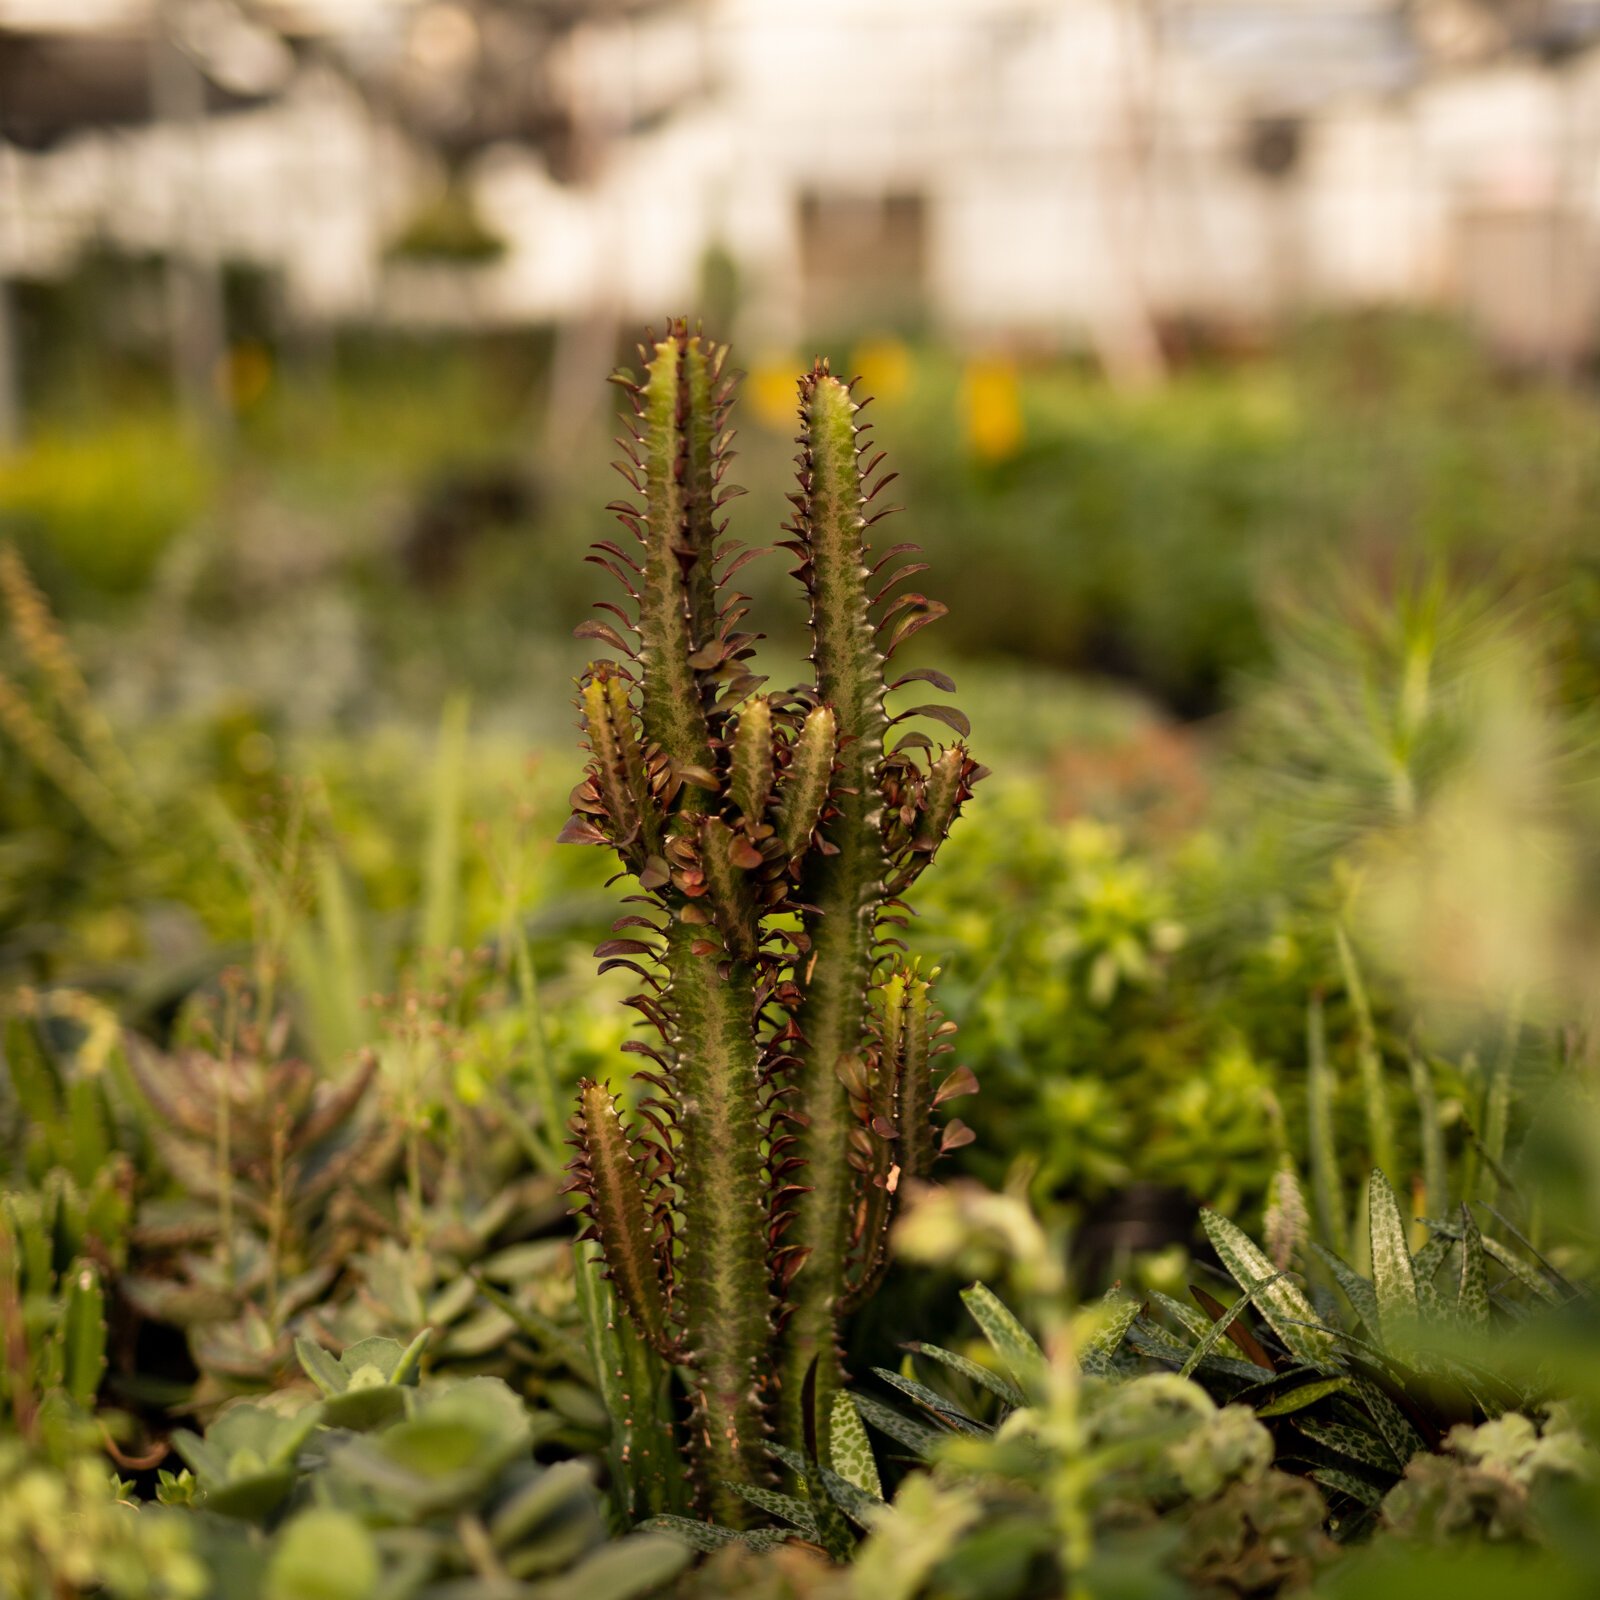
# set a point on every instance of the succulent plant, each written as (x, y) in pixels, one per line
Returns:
(1486, 1480)
(771, 836)
(55, 1242)
(52, 1116)
(1052, 1475)
(68, 1528)
(415, 1491)
(1353, 1402)
(272, 1160)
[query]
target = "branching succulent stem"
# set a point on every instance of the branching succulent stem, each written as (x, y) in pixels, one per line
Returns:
(743, 1204)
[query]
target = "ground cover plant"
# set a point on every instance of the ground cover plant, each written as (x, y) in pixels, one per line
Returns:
(291, 1302)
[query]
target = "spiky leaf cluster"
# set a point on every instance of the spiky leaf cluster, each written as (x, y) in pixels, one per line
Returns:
(1018, 1454)
(789, 1051)
(1353, 1396)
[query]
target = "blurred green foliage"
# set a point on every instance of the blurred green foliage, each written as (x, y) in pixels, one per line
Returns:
(97, 510)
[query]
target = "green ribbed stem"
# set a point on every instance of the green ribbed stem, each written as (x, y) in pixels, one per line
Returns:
(846, 889)
(773, 1148)
(722, 1276)
(677, 597)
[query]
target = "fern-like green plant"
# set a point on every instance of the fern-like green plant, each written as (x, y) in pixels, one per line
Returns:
(772, 837)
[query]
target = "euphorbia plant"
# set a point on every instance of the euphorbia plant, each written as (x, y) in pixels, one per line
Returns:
(790, 1047)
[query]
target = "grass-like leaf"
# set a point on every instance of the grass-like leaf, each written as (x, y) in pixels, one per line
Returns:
(1380, 1125)
(1327, 1193)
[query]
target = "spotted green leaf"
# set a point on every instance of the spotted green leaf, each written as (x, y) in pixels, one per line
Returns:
(946, 1411)
(1285, 1308)
(1393, 1279)
(777, 1504)
(1219, 1329)
(1347, 1483)
(1357, 1290)
(1472, 1296)
(1118, 1312)
(849, 1449)
(1401, 1437)
(1012, 1342)
(1369, 1449)
(1529, 1277)
(1297, 1399)
(980, 1375)
(708, 1538)
(915, 1435)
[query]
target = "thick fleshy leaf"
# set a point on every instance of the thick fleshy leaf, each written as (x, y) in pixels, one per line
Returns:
(849, 1449)
(1017, 1350)
(1286, 1309)
(1472, 1293)
(1393, 1278)
(980, 1375)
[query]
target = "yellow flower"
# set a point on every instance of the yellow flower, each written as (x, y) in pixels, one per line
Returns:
(770, 391)
(991, 403)
(885, 366)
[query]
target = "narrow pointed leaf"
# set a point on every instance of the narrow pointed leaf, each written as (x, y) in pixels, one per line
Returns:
(1219, 1329)
(1358, 1290)
(1472, 1293)
(1016, 1348)
(1285, 1308)
(1306, 1394)
(1393, 1279)
(1118, 1311)
(617, 1208)
(983, 1376)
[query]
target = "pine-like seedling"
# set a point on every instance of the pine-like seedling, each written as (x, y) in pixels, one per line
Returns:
(789, 1047)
